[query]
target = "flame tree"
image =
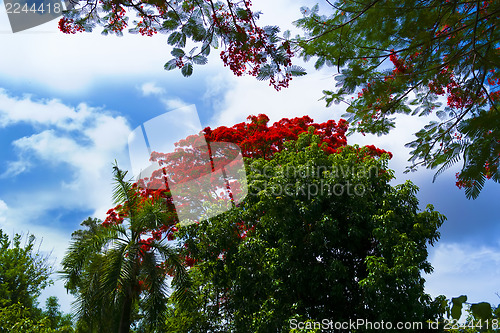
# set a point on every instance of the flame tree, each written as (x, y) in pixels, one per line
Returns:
(321, 234)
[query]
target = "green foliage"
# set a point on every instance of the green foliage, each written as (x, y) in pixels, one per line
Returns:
(17, 318)
(401, 57)
(58, 321)
(199, 316)
(456, 310)
(318, 236)
(24, 272)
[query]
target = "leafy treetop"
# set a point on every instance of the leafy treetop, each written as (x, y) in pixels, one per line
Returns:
(24, 272)
(255, 138)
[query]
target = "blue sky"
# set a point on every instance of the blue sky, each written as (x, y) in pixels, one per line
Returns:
(67, 104)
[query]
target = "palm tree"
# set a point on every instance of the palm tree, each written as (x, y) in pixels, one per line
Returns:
(116, 273)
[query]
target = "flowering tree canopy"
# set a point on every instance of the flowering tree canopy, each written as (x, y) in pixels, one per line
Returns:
(247, 47)
(404, 57)
(320, 235)
(409, 57)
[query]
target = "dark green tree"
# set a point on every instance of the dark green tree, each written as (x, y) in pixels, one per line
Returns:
(319, 236)
(117, 273)
(58, 321)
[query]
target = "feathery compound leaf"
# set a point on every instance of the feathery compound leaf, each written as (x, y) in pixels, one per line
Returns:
(296, 70)
(200, 59)
(266, 72)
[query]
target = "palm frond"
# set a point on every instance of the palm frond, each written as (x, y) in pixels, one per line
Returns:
(155, 300)
(81, 250)
(112, 277)
(122, 188)
(181, 280)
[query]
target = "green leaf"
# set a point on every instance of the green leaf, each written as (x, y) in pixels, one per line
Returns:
(170, 24)
(200, 59)
(171, 64)
(305, 10)
(456, 310)
(178, 53)
(265, 72)
(296, 70)
(205, 49)
(177, 38)
(481, 310)
(319, 63)
(187, 70)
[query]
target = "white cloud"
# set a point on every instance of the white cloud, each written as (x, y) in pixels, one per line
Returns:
(43, 112)
(150, 88)
(244, 96)
(89, 188)
(465, 269)
(3, 211)
(173, 103)
(71, 63)
(85, 141)
(170, 103)
(15, 168)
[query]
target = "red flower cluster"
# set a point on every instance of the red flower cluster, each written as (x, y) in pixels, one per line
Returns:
(374, 151)
(256, 139)
(457, 96)
(117, 20)
(242, 230)
(115, 216)
(68, 26)
(248, 45)
(400, 68)
(189, 261)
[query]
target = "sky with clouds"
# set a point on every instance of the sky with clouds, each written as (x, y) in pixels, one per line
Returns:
(69, 102)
